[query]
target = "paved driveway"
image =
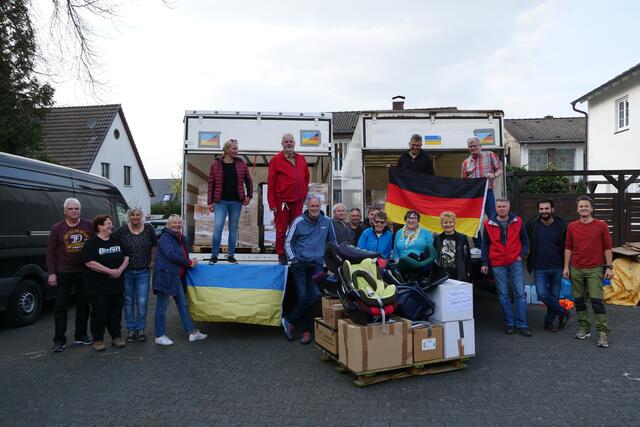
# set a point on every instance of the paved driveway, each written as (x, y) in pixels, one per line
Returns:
(252, 375)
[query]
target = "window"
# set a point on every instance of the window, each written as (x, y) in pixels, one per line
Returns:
(538, 160)
(565, 159)
(127, 175)
(559, 158)
(105, 170)
(167, 197)
(622, 113)
(116, 134)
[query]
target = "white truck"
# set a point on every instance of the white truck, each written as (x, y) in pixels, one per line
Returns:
(259, 138)
(380, 137)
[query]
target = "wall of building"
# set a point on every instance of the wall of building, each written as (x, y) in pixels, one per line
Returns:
(119, 153)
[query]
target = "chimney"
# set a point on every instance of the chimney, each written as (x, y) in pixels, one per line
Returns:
(397, 103)
(548, 116)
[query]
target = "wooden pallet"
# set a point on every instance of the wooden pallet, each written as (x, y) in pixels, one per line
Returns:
(366, 378)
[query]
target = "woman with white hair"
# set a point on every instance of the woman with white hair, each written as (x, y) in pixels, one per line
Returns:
(172, 261)
(344, 233)
(140, 241)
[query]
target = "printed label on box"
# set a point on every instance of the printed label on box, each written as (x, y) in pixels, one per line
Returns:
(428, 344)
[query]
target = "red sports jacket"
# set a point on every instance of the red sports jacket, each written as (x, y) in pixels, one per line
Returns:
(286, 182)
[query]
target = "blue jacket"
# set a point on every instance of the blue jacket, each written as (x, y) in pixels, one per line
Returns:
(170, 259)
(370, 241)
(402, 247)
(307, 239)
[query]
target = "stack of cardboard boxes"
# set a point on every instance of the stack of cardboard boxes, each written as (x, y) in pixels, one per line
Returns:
(399, 342)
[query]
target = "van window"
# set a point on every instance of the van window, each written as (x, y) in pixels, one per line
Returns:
(94, 205)
(121, 211)
(26, 210)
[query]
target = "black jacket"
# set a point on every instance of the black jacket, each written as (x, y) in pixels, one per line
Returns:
(421, 164)
(463, 254)
(532, 231)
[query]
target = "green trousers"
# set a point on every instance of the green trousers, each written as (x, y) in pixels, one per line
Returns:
(586, 283)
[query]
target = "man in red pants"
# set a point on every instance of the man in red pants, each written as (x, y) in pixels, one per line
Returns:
(286, 189)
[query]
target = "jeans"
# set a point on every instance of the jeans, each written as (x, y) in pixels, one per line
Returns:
(66, 283)
(106, 312)
(136, 297)
(161, 311)
(548, 290)
(307, 293)
(513, 274)
(222, 208)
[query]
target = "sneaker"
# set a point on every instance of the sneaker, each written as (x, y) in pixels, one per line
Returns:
(582, 334)
(213, 260)
(603, 340)
(163, 340)
(99, 346)
(197, 336)
(85, 340)
(132, 336)
(306, 338)
(232, 259)
(509, 330)
(564, 318)
(523, 332)
(282, 259)
(548, 327)
(141, 336)
(118, 343)
(288, 329)
(57, 348)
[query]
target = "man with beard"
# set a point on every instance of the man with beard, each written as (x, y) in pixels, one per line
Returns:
(547, 236)
(356, 224)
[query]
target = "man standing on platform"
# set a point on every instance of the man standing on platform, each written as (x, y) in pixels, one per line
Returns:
(415, 159)
(504, 245)
(65, 267)
(306, 242)
(287, 187)
(547, 234)
(482, 164)
(587, 260)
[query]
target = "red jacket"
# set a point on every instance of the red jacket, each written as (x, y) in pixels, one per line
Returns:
(499, 250)
(216, 174)
(286, 182)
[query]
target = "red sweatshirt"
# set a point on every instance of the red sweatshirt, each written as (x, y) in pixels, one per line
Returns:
(64, 246)
(588, 243)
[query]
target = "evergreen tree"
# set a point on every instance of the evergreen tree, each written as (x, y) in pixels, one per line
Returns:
(22, 96)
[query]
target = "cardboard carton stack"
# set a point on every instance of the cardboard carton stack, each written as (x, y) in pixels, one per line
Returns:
(326, 327)
(454, 313)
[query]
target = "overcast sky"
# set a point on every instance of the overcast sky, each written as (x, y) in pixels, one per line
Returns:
(527, 58)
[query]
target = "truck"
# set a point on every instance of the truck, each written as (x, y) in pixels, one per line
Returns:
(259, 136)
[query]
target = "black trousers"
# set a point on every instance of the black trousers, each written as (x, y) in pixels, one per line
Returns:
(66, 283)
(106, 313)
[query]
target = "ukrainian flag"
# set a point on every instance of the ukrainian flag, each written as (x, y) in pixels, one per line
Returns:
(240, 293)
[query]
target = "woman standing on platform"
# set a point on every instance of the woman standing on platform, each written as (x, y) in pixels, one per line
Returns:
(228, 178)
(172, 261)
(140, 242)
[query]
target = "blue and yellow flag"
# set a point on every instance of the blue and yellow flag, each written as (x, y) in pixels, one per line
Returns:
(237, 293)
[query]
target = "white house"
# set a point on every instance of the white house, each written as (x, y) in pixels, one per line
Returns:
(97, 139)
(613, 135)
(549, 141)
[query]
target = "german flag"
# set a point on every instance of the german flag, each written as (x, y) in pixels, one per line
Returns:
(432, 195)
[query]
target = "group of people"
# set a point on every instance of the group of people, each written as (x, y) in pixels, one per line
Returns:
(108, 271)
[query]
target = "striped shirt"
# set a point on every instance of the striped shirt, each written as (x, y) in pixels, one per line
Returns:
(485, 163)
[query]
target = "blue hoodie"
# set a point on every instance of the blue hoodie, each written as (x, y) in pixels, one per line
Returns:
(307, 239)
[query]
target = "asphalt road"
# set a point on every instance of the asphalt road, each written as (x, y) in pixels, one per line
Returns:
(251, 375)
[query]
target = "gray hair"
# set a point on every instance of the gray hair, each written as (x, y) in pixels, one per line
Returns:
(173, 218)
(337, 205)
(502, 200)
(71, 201)
(288, 134)
(473, 138)
(314, 197)
(132, 211)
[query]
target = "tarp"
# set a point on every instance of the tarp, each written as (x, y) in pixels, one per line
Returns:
(240, 293)
(625, 286)
(432, 195)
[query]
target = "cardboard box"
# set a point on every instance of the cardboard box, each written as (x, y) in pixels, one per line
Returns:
(428, 342)
(454, 301)
(459, 338)
(332, 311)
(326, 337)
(369, 348)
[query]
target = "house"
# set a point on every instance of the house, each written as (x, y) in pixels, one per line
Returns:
(97, 139)
(612, 133)
(549, 141)
(163, 191)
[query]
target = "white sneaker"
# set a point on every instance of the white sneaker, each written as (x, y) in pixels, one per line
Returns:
(164, 340)
(197, 336)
